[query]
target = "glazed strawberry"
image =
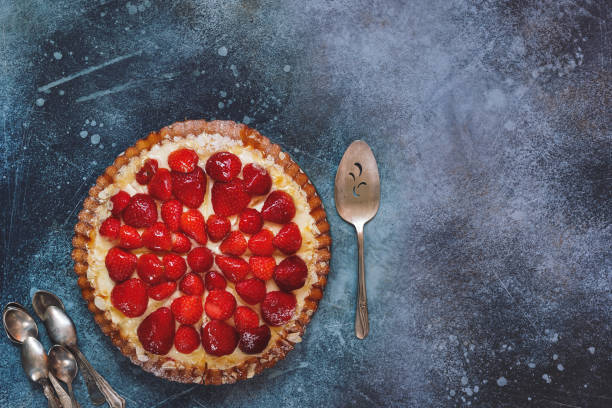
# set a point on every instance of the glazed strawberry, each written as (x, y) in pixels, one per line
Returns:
(262, 266)
(156, 331)
(161, 291)
(192, 284)
(250, 221)
(192, 224)
(214, 280)
(189, 188)
(234, 268)
(278, 307)
(254, 340)
(120, 264)
(180, 243)
(200, 259)
(217, 227)
(130, 297)
(174, 266)
(129, 238)
(256, 179)
(140, 212)
(157, 237)
(291, 273)
(160, 185)
(219, 338)
(120, 201)
(223, 166)
(183, 160)
(245, 318)
(110, 228)
(234, 244)
(278, 207)
(150, 269)
(171, 214)
(187, 309)
(220, 304)
(251, 290)
(262, 243)
(186, 339)
(288, 239)
(229, 198)
(147, 171)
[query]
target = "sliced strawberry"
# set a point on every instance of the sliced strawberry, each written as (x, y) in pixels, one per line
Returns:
(262, 243)
(150, 269)
(120, 264)
(229, 198)
(189, 188)
(171, 214)
(250, 221)
(160, 185)
(183, 160)
(234, 244)
(278, 207)
(251, 290)
(291, 273)
(129, 238)
(200, 259)
(110, 228)
(186, 339)
(256, 179)
(219, 338)
(147, 171)
(234, 268)
(220, 304)
(278, 308)
(156, 331)
(120, 201)
(161, 291)
(254, 340)
(130, 297)
(192, 224)
(140, 212)
(288, 239)
(180, 243)
(187, 309)
(192, 284)
(157, 237)
(245, 318)
(214, 280)
(174, 266)
(262, 266)
(217, 227)
(223, 166)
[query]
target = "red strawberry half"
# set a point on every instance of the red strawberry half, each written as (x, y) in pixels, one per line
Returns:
(183, 160)
(200, 259)
(192, 224)
(130, 297)
(156, 331)
(250, 221)
(220, 304)
(262, 266)
(129, 238)
(214, 280)
(256, 179)
(120, 201)
(278, 307)
(245, 318)
(120, 264)
(157, 237)
(223, 166)
(278, 207)
(174, 266)
(171, 214)
(161, 291)
(291, 273)
(219, 338)
(140, 212)
(187, 309)
(189, 188)
(160, 185)
(147, 171)
(262, 243)
(192, 284)
(217, 227)
(254, 340)
(110, 228)
(251, 290)
(229, 198)
(186, 339)
(234, 268)
(180, 243)
(234, 244)
(150, 269)
(288, 239)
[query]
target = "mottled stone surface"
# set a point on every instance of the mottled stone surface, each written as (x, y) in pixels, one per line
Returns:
(488, 264)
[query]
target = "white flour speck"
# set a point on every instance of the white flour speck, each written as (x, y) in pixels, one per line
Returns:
(222, 51)
(501, 381)
(87, 121)
(464, 380)
(221, 105)
(452, 393)
(555, 356)
(223, 94)
(546, 378)
(113, 144)
(40, 102)
(61, 92)
(83, 134)
(57, 55)
(93, 123)
(476, 388)
(531, 365)
(234, 71)
(591, 350)
(95, 139)
(560, 367)
(246, 120)
(287, 68)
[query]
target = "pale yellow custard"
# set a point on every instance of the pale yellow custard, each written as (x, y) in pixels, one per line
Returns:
(205, 145)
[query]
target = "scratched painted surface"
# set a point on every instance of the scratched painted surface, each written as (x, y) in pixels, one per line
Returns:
(488, 264)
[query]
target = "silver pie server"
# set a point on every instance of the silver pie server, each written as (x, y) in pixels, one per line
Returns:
(357, 196)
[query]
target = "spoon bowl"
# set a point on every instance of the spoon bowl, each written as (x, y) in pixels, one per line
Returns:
(18, 324)
(42, 300)
(59, 326)
(63, 365)
(34, 359)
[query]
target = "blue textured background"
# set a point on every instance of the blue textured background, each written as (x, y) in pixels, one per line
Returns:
(488, 264)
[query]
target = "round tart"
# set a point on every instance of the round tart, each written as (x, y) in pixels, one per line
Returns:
(203, 252)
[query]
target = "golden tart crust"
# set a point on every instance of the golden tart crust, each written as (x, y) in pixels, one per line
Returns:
(288, 335)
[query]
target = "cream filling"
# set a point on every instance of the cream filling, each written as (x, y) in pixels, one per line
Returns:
(205, 145)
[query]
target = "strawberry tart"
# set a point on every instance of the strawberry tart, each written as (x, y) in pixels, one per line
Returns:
(203, 252)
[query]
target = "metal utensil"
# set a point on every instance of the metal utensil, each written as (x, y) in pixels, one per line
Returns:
(62, 331)
(34, 362)
(42, 300)
(18, 324)
(357, 196)
(63, 365)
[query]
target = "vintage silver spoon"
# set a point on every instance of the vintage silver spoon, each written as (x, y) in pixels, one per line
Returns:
(62, 331)
(34, 362)
(357, 196)
(63, 365)
(18, 324)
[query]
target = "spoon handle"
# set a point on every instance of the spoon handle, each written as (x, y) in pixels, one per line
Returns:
(61, 394)
(73, 400)
(95, 395)
(50, 394)
(114, 400)
(362, 324)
